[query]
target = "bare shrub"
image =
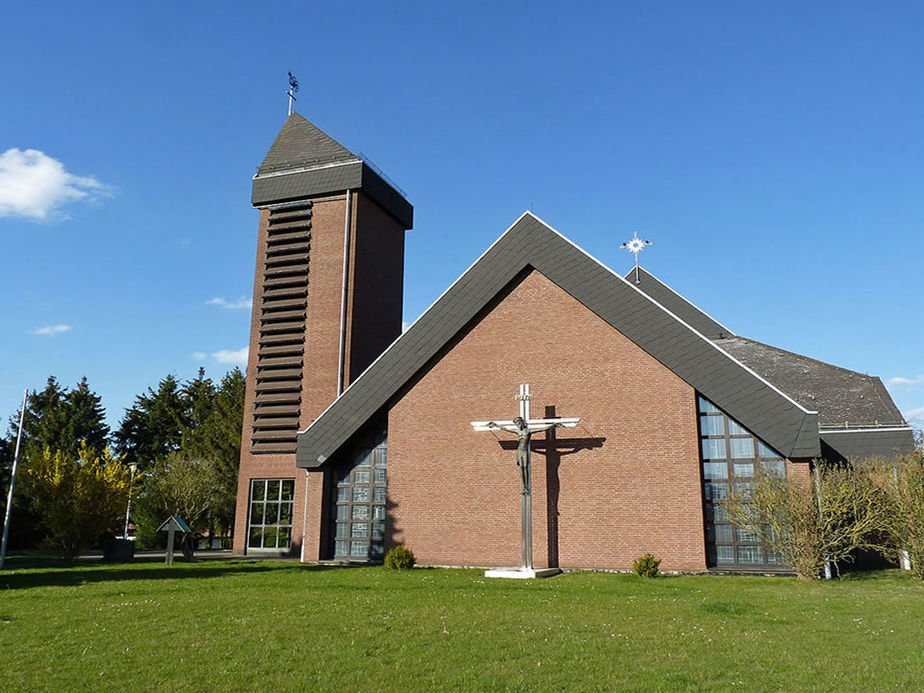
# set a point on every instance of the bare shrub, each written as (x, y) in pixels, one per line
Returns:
(813, 523)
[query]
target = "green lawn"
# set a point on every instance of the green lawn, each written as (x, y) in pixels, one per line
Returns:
(259, 625)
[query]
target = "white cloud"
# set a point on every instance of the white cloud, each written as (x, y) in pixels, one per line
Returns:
(915, 416)
(236, 357)
(231, 305)
(35, 186)
(51, 330)
(906, 381)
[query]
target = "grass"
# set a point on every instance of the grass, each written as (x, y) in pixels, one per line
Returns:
(263, 625)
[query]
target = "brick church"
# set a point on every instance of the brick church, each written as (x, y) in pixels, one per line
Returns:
(357, 437)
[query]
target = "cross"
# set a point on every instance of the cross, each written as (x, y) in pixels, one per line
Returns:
(636, 245)
(524, 426)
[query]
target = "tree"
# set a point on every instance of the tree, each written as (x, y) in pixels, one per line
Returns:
(179, 485)
(811, 523)
(219, 439)
(77, 496)
(84, 418)
(6, 465)
(193, 421)
(43, 418)
(62, 419)
(58, 419)
(183, 485)
(153, 427)
(199, 401)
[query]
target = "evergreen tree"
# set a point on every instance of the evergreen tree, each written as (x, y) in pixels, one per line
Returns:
(185, 430)
(43, 422)
(153, 427)
(219, 438)
(84, 419)
(199, 400)
(60, 419)
(56, 419)
(6, 467)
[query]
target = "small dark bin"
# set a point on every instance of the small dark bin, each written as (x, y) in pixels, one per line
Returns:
(120, 551)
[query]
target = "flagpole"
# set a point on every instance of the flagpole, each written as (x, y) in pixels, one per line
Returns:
(9, 496)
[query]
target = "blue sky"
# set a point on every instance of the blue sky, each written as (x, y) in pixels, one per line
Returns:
(771, 151)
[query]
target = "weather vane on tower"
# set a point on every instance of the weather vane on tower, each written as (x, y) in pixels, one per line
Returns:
(293, 90)
(636, 245)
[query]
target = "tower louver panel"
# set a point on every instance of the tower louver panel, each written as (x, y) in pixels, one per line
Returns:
(280, 360)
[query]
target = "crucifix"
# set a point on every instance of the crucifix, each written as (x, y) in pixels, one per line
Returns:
(524, 426)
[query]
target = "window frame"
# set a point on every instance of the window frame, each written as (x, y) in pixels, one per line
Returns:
(358, 506)
(736, 544)
(278, 527)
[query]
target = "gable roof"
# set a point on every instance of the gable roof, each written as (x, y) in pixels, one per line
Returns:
(530, 243)
(843, 398)
(698, 319)
(847, 401)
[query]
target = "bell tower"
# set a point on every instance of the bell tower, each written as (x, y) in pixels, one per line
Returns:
(327, 301)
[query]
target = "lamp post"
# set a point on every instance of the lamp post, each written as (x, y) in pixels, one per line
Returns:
(128, 508)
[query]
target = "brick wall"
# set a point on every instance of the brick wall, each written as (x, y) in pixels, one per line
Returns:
(624, 482)
(377, 288)
(373, 320)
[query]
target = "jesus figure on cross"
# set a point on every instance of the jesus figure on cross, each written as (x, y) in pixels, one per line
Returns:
(524, 426)
(524, 434)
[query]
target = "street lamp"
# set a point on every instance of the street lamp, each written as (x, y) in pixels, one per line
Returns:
(128, 508)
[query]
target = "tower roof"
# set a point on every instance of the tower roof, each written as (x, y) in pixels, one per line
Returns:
(301, 143)
(305, 162)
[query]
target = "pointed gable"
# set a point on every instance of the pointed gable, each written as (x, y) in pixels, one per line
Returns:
(530, 243)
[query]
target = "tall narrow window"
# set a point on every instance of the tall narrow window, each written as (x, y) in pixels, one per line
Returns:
(270, 519)
(730, 457)
(359, 506)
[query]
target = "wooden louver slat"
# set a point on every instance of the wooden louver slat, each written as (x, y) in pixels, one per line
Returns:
(283, 302)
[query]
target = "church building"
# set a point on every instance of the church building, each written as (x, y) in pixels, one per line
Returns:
(358, 437)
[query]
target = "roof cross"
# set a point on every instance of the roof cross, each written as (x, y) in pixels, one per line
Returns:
(636, 245)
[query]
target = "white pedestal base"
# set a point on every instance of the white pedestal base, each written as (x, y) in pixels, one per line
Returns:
(521, 573)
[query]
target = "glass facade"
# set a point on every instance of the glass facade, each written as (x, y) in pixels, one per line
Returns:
(730, 458)
(270, 518)
(359, 506)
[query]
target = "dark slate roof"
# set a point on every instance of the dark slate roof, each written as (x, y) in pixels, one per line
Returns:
(841, 397)
(530, 243)
(859, 444)
(306, 162)
(678, 305)
(301, 143)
